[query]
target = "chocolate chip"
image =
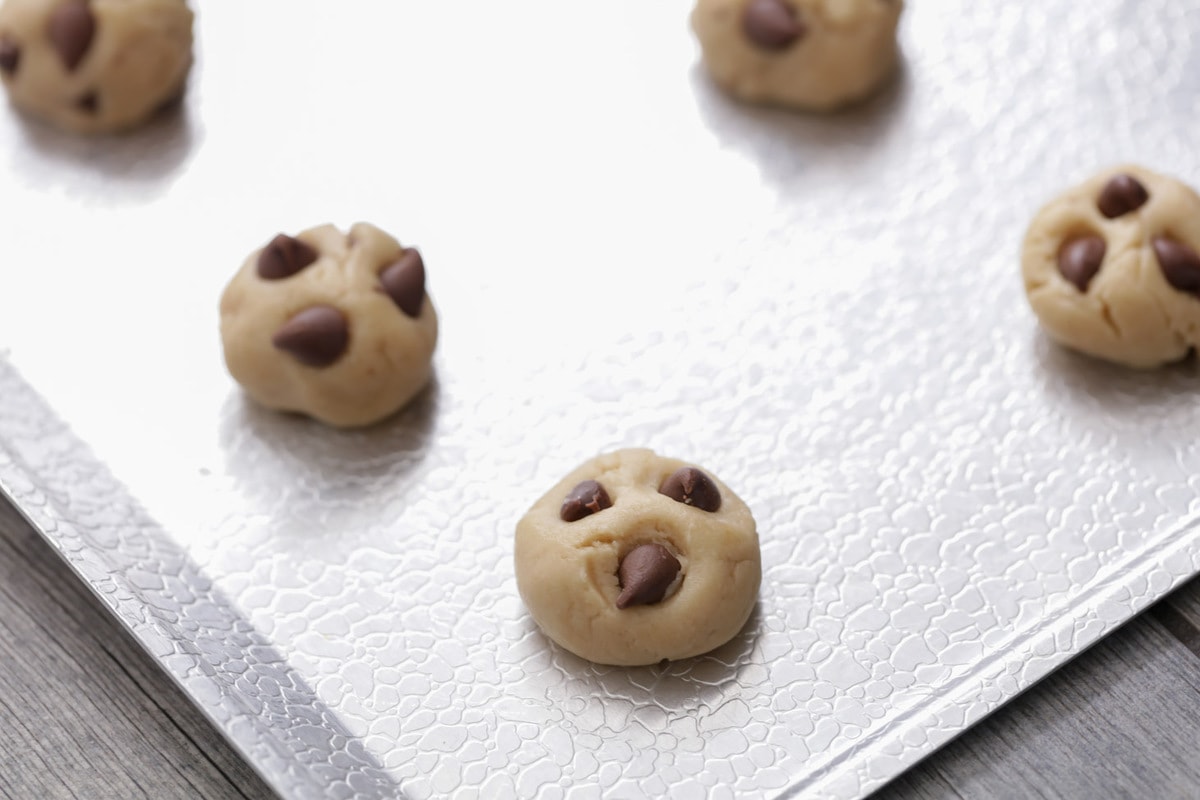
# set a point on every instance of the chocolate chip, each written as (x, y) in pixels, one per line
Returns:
(772, 24)
(10, 56)
(1121, 195)
(1180, 264)
(317, 336)
(1079, 260)
(284, 257)
(646, 573)
(584, 500)
(404, 281)
(692, 487)
(88, 103)
(72, 27)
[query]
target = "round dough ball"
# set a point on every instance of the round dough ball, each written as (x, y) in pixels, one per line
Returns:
(1112, 269)
(816, 55)
(335, 326)
(94, 66)
(634, 558)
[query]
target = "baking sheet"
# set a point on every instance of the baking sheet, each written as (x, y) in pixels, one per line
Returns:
(826, 312)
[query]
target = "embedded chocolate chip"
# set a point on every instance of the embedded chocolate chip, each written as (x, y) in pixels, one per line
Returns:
(1121, 195)
(585, 499)
(10, 56)
(88, 103)
(772, 24)
(692, 487)
(317, 336)
(284, 257)
(1180, 264)
(1079, 260)
(72, 27)
(404, 282)
(646, 573)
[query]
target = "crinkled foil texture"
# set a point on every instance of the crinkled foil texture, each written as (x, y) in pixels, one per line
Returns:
(825, 311)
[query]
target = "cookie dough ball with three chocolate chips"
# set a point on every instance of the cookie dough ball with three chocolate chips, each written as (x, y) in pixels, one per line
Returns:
(335, 326)
(94, 66)
(814, 55)
(1112, 267)
(634, 558)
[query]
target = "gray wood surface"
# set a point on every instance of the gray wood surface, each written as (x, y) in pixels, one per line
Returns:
(84, 713)
(1120, 721)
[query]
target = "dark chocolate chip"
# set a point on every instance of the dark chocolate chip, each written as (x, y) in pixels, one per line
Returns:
(1079, 260)
(404, 281)
(772, 24)
(88, 103)
(1121, 195)
(585, 499)
(645, 574)
(10, 56)
(317, 336)
(692, 487)
(284, 257)
(72, 27)
(1180, 264)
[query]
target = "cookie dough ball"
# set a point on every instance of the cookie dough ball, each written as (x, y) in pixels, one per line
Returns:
(1112, 267)
(816, 55)
(634, 558)
(335, 326)
(94, 66)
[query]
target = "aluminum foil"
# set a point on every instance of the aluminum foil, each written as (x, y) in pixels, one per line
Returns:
(825, 311)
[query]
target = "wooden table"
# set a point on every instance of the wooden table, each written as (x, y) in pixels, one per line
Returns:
(87, 714)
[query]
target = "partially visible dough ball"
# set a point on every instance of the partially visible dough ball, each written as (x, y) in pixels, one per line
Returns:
(1112, 267)
(634, 558)
(94, 66)
(815, 55)
(332, 325)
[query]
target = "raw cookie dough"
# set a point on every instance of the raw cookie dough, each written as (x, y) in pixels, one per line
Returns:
(815, 55)
(634, 558)
(1112, 268)
(95, 66)
(335, 326)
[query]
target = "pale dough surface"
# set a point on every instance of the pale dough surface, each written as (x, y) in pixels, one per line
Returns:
(567, 571)
(138, 61)
(848, 51)
(389, 355)
(1129, 313)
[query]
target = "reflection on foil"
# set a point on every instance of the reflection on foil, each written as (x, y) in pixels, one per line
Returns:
(828, 311)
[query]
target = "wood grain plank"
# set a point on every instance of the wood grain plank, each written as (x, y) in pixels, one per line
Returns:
(1122, 720)
(1180, 614)
(87, 713)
